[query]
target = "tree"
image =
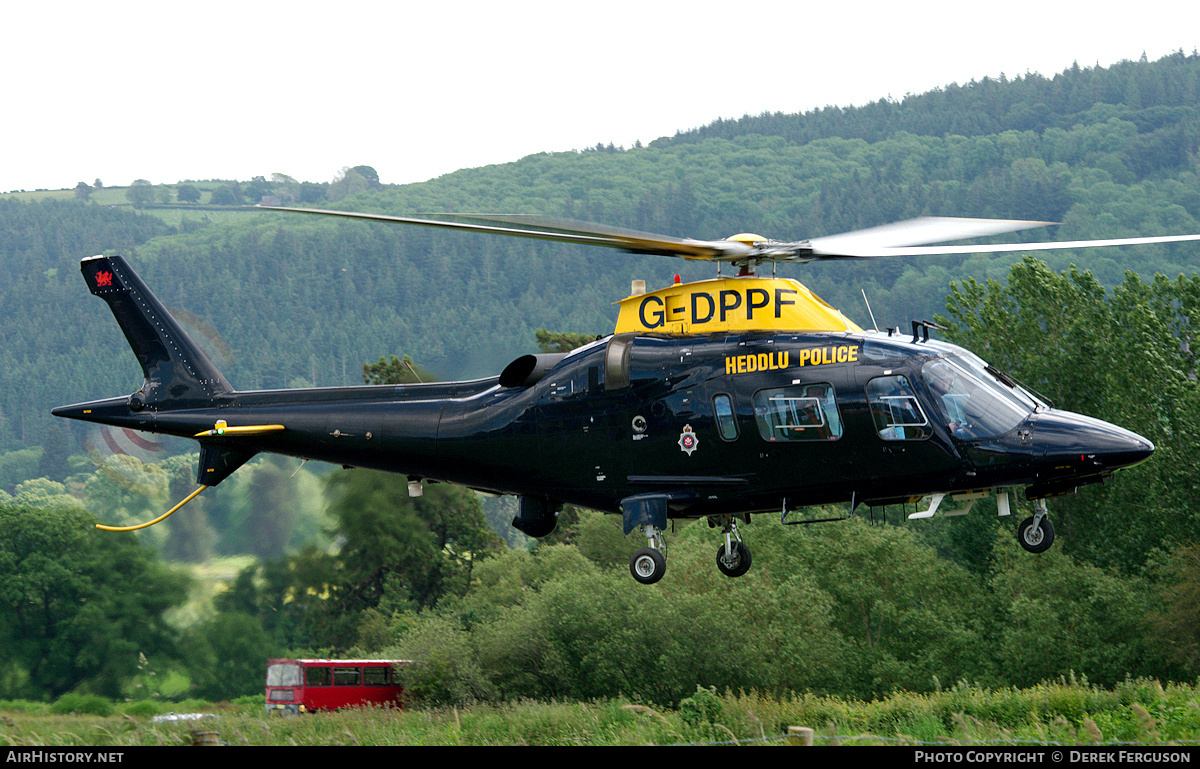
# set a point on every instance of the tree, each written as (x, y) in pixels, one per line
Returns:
(225, 656)
(395, 550)
(256, 188)
(78, 605)
(395, 371)
(276, 509)
(141, 193)
(1077, 617)
(83, 191)
(187, 193)
(285, 186)
(395, 553)
(225, 195)
(369, 174)
(906, 614)
(561, 341)
(54, 455)
(1177, 622)
(430, 543)
(191, 538)
(312, 192)
(1129, 358)
(352, 181)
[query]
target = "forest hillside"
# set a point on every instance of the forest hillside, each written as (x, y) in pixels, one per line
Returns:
(1106, 151)
(346, 562)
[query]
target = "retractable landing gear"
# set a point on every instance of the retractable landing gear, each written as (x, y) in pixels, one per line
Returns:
(733, 557)
(1036, 533)
(649, 564)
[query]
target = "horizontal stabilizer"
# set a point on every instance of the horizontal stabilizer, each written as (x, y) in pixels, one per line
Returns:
(218, 462)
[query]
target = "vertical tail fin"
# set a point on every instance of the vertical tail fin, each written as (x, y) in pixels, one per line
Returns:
(176, 370)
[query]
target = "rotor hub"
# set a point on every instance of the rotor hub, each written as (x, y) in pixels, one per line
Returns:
(749, 238)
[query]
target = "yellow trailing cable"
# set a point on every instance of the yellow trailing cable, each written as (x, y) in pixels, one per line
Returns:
(162, 517)
(219, 429)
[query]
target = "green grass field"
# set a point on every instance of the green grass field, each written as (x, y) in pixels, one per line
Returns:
(173, 214)
(1065, 713)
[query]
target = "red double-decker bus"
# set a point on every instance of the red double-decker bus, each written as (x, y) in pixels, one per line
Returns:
(299, 686)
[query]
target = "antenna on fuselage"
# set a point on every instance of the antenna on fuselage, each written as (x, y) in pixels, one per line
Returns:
(865, 301)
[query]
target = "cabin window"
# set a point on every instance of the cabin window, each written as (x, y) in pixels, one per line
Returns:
(376, 676)
(726, 420)
(317, 677)
(898, 415)
(345, 677)
(798, 413)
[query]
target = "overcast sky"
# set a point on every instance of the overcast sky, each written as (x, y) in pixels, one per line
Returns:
(172, 91)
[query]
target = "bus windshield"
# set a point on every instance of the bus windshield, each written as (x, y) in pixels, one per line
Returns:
(283, 675)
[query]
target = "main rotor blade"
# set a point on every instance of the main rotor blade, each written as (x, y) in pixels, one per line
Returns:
(560, 230)
(1002, 248)
(914, 232)
(907, 238)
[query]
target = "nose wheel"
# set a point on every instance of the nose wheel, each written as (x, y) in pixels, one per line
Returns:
(1036, 533)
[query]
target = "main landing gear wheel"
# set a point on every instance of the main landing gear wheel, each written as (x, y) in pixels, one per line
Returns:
(736, 563)
(733, 557)
(648, 566)
(1035, 536)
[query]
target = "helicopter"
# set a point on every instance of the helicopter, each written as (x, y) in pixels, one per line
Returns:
(714, 399)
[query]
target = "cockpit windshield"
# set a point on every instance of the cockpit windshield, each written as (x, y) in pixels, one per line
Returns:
(974, 403)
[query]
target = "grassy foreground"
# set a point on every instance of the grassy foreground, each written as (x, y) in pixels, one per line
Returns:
(1067, 712)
